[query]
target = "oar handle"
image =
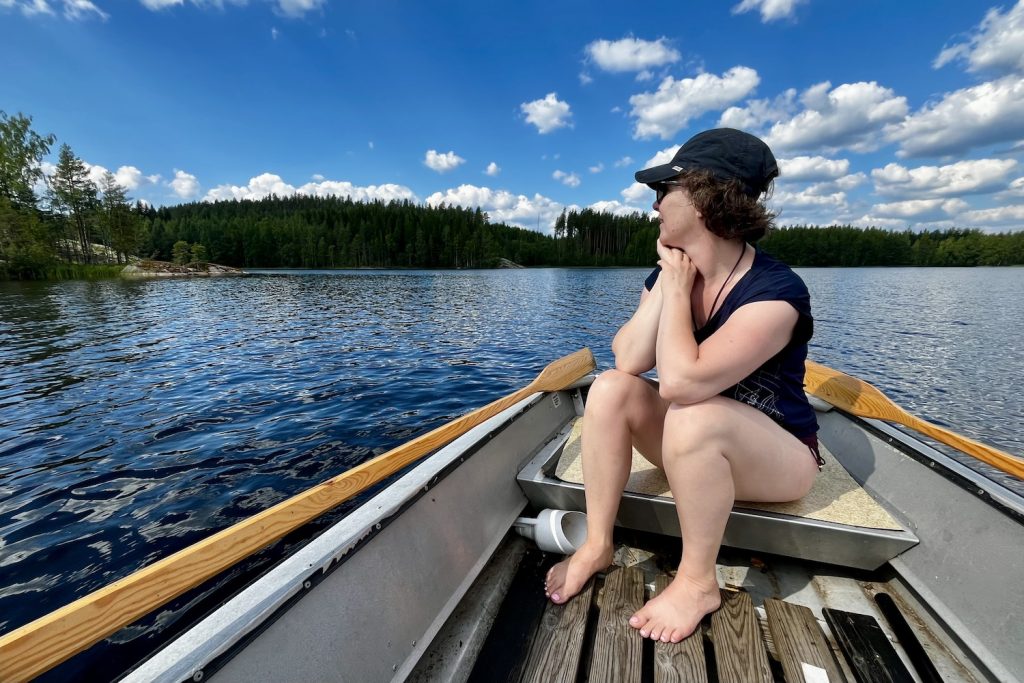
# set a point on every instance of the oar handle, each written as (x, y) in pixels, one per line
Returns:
(44, 643)
(1001, 461)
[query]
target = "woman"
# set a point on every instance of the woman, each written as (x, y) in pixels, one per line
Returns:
(727, 329)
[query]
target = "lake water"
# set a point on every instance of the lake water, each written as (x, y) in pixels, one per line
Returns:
(139, 417)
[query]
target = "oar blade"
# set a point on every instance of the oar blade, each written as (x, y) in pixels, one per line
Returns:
(848, 393)
(859, 398)
(564, 371)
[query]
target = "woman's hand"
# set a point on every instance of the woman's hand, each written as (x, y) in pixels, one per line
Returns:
(677, 270)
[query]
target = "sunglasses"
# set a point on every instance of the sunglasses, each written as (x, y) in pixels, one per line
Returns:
(664, 187)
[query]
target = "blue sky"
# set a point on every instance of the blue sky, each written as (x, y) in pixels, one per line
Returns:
(893, 114)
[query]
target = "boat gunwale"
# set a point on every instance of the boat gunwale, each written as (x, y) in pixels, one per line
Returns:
(977, 483)
(263, 613)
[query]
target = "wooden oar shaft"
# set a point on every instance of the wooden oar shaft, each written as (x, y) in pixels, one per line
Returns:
(46, 642)
(864, 400)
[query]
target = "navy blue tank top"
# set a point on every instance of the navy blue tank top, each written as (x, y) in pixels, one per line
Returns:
(777, 387)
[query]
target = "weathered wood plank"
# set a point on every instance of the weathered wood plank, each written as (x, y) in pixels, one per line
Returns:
(555, 651)
(739, 649)
(871, 656)
(618, 647)
(800, 641)
(679, 662)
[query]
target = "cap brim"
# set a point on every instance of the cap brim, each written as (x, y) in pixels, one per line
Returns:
(657, 174)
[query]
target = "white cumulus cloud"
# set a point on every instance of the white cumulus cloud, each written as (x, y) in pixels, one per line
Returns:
(266, 184)
(983, 114)
(1015, 189)
(83, 9)
(851, 115)
(667, 110)
(997, 43)
(492, 169)
(920, 208)
(288, 8)
(814, 168)
(442, 163)
(74, 10)
(631, 54)
(616, 208)
(160, 4)
(770, 9)
(807, 198)
(533, 213)
(570, 179)
(29, 7)
(638, 193)
(298, 8)
(759, 113)
(1011, 216)
(547, 114)
(975, 176)
(872, 221)
(185, 185)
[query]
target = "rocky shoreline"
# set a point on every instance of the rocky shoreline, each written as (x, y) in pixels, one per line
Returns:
(151, 268)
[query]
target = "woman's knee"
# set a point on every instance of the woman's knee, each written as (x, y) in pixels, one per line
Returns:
(695, 427)
(613, 389)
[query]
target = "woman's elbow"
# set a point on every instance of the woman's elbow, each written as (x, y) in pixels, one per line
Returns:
(631, 366)
(680, 391)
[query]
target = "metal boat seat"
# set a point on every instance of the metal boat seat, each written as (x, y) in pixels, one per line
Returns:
(838, 522)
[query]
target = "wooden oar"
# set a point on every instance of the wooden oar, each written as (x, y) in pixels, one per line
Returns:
(49, 640)
(860, 398)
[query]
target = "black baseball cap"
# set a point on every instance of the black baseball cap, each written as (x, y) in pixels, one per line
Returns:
(728, 153)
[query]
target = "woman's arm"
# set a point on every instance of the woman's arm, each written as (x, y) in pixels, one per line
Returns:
(689, 373)
(634, 343)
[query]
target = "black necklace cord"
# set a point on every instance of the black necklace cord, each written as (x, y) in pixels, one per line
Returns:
(732, 272)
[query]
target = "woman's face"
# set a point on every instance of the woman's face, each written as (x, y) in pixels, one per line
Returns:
(678, 217)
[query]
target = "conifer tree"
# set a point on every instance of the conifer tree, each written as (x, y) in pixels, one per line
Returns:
(75, 196)
(120, 226)
(21, 154)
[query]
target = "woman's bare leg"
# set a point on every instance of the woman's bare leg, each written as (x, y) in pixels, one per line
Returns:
(622, 410)
(714, 453)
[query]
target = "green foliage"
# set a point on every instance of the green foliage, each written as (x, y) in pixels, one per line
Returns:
(75, 198)
(198, 253)
(120, 227)
(330, 232)
(849, 246)
(181, 252)
(21, 153)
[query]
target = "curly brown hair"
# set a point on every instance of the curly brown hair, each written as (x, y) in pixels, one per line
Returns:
(727, 210)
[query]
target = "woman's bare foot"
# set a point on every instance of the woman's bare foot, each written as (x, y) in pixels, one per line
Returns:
(677, 611)
(568, 577)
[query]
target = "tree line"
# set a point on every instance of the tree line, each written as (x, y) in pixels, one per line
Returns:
(48, 222)
(329, 232)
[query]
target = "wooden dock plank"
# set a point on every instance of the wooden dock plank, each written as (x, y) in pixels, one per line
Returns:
(618, 647)
(558, 642)
(739, 648)
(799, 641)
(866, 647)
(679, 662)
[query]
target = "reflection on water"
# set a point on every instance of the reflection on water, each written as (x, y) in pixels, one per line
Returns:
(137, 417)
